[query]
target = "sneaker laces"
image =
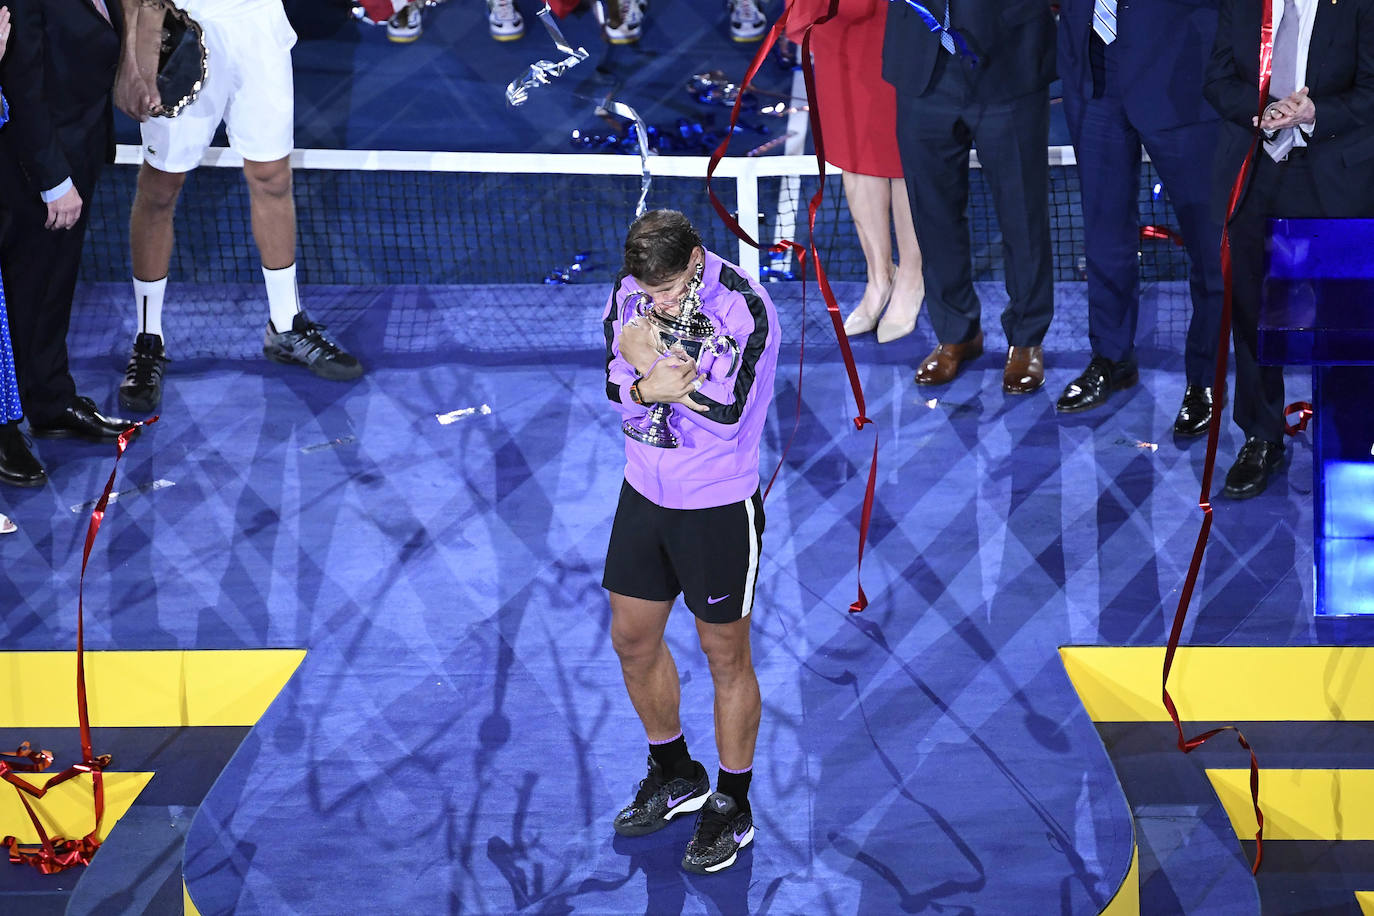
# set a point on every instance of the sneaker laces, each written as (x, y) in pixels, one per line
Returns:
(502, 10)
(746, 10)
(710, 826)
(631, 13)
(314, 341)
(648, 786)
(143, 369)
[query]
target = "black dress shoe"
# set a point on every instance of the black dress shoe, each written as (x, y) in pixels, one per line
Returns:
(17, 464)
(1250, 474)
(1098, 381)
(81, 421)
(1196, 413)
(141, 390)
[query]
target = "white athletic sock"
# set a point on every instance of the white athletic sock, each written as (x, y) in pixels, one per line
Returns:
(148, 297)
(282, 300)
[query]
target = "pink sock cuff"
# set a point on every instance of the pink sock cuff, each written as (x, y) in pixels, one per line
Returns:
(726, 769)
(667, 740)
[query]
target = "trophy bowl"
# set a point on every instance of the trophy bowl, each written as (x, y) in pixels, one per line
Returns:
(689, 333)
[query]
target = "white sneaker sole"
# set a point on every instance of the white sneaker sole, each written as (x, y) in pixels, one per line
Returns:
(687, 807)
(747, 839)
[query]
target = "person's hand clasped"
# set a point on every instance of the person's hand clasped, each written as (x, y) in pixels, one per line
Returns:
(671, 381)
(65, 211)
(1293, 111)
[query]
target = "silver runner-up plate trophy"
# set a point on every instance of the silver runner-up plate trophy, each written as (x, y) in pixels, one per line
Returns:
(689, 334)
(182, 62)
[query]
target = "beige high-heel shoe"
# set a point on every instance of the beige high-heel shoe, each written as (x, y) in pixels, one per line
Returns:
(860, 321)
(896, 323)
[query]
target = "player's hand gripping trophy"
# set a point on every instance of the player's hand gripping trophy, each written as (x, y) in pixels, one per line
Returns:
(688, 334)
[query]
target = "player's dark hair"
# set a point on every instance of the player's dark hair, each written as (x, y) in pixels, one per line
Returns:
(659, 246)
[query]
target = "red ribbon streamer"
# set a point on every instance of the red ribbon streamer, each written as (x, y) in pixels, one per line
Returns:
(55, 854)
(1187, 745)
(1160, 233)
(832, 307)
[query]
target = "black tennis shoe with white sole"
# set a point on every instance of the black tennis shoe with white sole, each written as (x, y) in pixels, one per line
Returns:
(659, 800)
(722, 831)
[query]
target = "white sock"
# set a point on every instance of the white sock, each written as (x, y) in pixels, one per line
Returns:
(148, 297)
(282, 300)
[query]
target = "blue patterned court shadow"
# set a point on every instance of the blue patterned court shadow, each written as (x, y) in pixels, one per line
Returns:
(458, 737)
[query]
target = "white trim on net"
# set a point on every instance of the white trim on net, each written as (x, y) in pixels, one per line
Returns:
(541, 163)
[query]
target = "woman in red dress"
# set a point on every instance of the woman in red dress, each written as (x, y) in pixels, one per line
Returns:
(858, 115)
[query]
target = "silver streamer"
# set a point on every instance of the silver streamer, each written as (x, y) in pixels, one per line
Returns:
(611, 106)
(543, 72)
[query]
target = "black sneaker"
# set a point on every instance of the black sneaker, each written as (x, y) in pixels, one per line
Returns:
(660, 800)
(141, 390)
(306, 345)
(722, 831)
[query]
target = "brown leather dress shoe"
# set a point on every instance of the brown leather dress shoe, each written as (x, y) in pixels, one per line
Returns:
(1025, 370)
(940, 367)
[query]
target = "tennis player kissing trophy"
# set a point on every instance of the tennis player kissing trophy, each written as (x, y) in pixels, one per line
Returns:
(687, 333)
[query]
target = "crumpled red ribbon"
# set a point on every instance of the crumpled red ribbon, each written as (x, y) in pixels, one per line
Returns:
(832, 307)
(1304, 409)
(55, 854)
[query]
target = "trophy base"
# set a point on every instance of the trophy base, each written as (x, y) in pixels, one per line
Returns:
(650, 433)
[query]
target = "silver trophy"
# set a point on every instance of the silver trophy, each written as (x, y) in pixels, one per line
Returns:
(688, 333)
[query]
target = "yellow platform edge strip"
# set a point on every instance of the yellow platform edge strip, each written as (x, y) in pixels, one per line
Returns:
(187, 687)
(1225, 684)
(188, 904)
(1126, 900)
(1366, 901)
(68, 809)
(1309, 804)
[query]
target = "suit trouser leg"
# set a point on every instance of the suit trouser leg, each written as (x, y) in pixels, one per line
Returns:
(1108, 152)
(934, 144)
(1176, 153)
(1012, 138)
(39, 267)
(1258, 407)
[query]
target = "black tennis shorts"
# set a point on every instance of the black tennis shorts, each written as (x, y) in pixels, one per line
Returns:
(709, 556)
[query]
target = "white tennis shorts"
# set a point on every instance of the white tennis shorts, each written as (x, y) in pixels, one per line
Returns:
(248, 86)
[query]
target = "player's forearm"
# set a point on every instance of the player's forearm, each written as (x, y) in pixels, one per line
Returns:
(142, 34)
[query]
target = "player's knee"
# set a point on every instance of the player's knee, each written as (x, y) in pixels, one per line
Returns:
(158, 190)
(728, 656)
(269, 179)
(634, 645)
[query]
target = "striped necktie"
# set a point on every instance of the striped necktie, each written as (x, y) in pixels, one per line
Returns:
(1285, 79)
(1104, 20)
(946, 39)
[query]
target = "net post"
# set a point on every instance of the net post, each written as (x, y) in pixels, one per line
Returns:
(747, 204)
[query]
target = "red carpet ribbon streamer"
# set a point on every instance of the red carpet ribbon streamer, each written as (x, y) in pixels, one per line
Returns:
(54, 854)
(862, 419)
(1187, 745)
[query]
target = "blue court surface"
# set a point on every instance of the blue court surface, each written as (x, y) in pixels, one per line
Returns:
(457, 737)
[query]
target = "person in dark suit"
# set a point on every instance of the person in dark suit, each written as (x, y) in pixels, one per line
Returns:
(1315, 160)
(1133, 74)
(58, 76)
(945, 106)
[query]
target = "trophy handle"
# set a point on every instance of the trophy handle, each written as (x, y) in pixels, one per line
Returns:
(722, 345)
(636, 305)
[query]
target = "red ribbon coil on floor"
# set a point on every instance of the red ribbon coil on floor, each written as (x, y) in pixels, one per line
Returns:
(53, 854)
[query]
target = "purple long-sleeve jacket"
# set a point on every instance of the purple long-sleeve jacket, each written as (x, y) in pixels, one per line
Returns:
(718, 460)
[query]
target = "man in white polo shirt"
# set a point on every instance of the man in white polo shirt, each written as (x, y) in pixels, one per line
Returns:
(249, 89)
